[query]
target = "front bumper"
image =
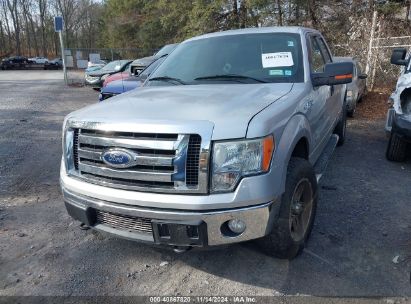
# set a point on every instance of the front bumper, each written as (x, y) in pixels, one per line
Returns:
(208, 226)
(97, 83)
(399, 124)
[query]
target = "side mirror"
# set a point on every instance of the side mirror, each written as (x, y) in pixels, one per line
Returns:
(334, 73)
(363, 76)
(398, 56)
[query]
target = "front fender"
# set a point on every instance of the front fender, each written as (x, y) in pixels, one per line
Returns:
(296, 129)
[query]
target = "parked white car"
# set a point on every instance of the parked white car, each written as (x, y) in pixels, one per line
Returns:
(39, 60)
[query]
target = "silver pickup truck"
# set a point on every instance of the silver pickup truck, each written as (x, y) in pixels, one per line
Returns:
(223, 144)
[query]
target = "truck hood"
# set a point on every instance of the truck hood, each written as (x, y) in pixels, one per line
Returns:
(226, 108)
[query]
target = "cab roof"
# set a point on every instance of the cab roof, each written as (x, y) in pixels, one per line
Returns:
(259, 30)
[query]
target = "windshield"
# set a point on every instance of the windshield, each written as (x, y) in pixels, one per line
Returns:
(114, 65)
(245, 58)
(148, 70)
(167, 49)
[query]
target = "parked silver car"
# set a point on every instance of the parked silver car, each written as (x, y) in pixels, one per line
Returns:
(357, 88)
(224, 143)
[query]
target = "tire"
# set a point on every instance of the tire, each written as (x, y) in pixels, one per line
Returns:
(341, 128)
(396, 149)
(350, 113)
(286, 242)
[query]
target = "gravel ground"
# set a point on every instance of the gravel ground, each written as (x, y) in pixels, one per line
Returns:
(360, 245)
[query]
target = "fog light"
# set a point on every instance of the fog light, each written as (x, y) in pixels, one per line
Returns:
(236, 226)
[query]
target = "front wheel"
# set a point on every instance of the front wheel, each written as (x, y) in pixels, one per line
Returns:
(297, 212)
(396, 149)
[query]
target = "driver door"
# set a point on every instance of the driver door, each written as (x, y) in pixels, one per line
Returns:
(323, 101)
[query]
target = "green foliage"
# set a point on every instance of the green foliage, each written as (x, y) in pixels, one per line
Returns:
(390, 8)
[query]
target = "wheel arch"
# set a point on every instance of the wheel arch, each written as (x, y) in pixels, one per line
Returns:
(295, 141)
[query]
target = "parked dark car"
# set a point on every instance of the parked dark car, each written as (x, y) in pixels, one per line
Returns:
(14, 62)
(123, 85)
(95, 79)
(140, 64)
(54, 64)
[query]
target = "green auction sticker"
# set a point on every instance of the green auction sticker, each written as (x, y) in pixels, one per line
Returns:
(276, 72)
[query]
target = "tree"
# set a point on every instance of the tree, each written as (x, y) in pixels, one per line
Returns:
(13, 8)
(43, 9)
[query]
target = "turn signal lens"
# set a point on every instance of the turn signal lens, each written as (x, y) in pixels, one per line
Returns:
(268, 149)
(346, 76)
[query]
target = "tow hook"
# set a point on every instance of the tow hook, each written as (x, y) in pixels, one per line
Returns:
(181, 249)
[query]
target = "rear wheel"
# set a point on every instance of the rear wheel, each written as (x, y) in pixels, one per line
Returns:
(297, 212)
(341, 128)
(397, 148)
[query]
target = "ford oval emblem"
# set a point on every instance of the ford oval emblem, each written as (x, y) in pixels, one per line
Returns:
(119, 158)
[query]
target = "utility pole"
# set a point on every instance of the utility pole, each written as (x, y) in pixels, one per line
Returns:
(374, 23)
(58, 27)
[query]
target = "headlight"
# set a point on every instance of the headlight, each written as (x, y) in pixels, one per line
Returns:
(233, 160)
(68, 148)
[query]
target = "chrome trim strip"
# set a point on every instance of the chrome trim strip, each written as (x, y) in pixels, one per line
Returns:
(154, 160)
(128, 143)
(141, 175)
(171, 190)
(89, 154)
(143, 160)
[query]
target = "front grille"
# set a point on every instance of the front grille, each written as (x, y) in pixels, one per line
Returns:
(124, 222)
(164, 162)
(193, 160)
(75, 148)
(92, 78)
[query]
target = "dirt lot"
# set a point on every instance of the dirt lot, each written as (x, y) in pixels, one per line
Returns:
(360, 245)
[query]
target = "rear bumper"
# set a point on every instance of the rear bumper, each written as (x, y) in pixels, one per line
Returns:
(209, 225)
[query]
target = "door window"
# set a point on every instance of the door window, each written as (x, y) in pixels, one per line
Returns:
(324, 50)
(316, 58)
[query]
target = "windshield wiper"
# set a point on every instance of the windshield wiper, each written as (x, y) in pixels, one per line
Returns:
(230, 76)
(167, 78)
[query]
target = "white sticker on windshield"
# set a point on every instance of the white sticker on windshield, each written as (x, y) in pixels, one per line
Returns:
(280, 59)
